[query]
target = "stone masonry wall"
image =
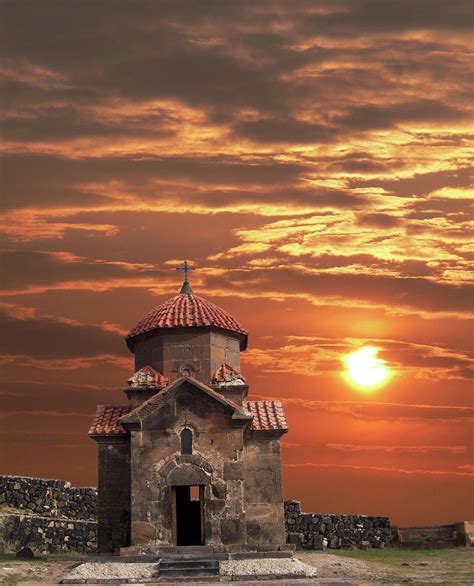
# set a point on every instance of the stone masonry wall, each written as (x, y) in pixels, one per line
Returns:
(48, 516)
(318, 530)
(52, 498)
(44, 535)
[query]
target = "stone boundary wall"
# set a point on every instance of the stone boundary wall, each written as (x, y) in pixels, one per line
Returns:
(319, 530)
(50, 516)
(459, 534)
(45, 535)
(52, 498)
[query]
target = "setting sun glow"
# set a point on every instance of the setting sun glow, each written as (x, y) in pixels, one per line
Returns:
(365, 368)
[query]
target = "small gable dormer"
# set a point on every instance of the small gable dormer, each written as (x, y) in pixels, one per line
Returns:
(230, 383)
(143, 384)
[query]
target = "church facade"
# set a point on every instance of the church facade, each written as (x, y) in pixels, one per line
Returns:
(189, 460)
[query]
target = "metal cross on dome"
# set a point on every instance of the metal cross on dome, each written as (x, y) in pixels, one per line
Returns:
(185, 268)
(186, 288)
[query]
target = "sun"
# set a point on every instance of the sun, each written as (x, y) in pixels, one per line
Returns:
(365, 368)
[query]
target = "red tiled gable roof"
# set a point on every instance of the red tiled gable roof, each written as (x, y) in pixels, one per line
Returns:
(226, 373)
(186, 310)
(150, 405)
(267, 415)
(148, 377)
(106, 420)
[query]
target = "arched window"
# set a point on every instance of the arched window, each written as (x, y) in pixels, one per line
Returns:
(186, 441)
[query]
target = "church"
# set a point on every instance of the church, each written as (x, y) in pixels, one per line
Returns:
(188, 460)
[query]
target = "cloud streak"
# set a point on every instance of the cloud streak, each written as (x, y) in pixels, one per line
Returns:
(387, 470)
(410, 449)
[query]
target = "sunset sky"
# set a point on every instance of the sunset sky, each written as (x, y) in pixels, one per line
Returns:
(312, 160)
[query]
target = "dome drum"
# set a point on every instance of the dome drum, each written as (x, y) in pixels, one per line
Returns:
(133, 341)
(196, 352)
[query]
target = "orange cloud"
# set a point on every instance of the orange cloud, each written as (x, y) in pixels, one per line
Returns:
(382, 469)
(399, 449)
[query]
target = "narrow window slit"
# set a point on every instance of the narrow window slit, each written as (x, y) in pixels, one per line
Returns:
(186, 441)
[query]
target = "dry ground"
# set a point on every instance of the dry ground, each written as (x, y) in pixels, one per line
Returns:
(395, 566)
(42, 571)
(390, 566)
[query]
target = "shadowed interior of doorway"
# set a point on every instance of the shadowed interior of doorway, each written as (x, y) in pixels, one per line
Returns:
(189, 515)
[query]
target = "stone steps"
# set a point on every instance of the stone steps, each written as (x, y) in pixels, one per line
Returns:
(188, 568)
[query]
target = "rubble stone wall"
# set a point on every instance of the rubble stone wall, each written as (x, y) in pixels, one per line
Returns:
(319, 530)
(45, 535)
(51, 498)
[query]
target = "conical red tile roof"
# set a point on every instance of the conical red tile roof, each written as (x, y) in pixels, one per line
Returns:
(148, 377)
(226, 373)
(187, 310)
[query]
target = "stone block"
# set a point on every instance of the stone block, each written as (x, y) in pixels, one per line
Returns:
(233, 471)
(295, 539)
(219, 489)
(232, 530)
(142, 533)
(167, 468)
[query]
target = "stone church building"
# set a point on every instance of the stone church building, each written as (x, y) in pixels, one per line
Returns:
(189, 460)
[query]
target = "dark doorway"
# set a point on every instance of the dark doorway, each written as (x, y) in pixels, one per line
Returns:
(189, 515)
